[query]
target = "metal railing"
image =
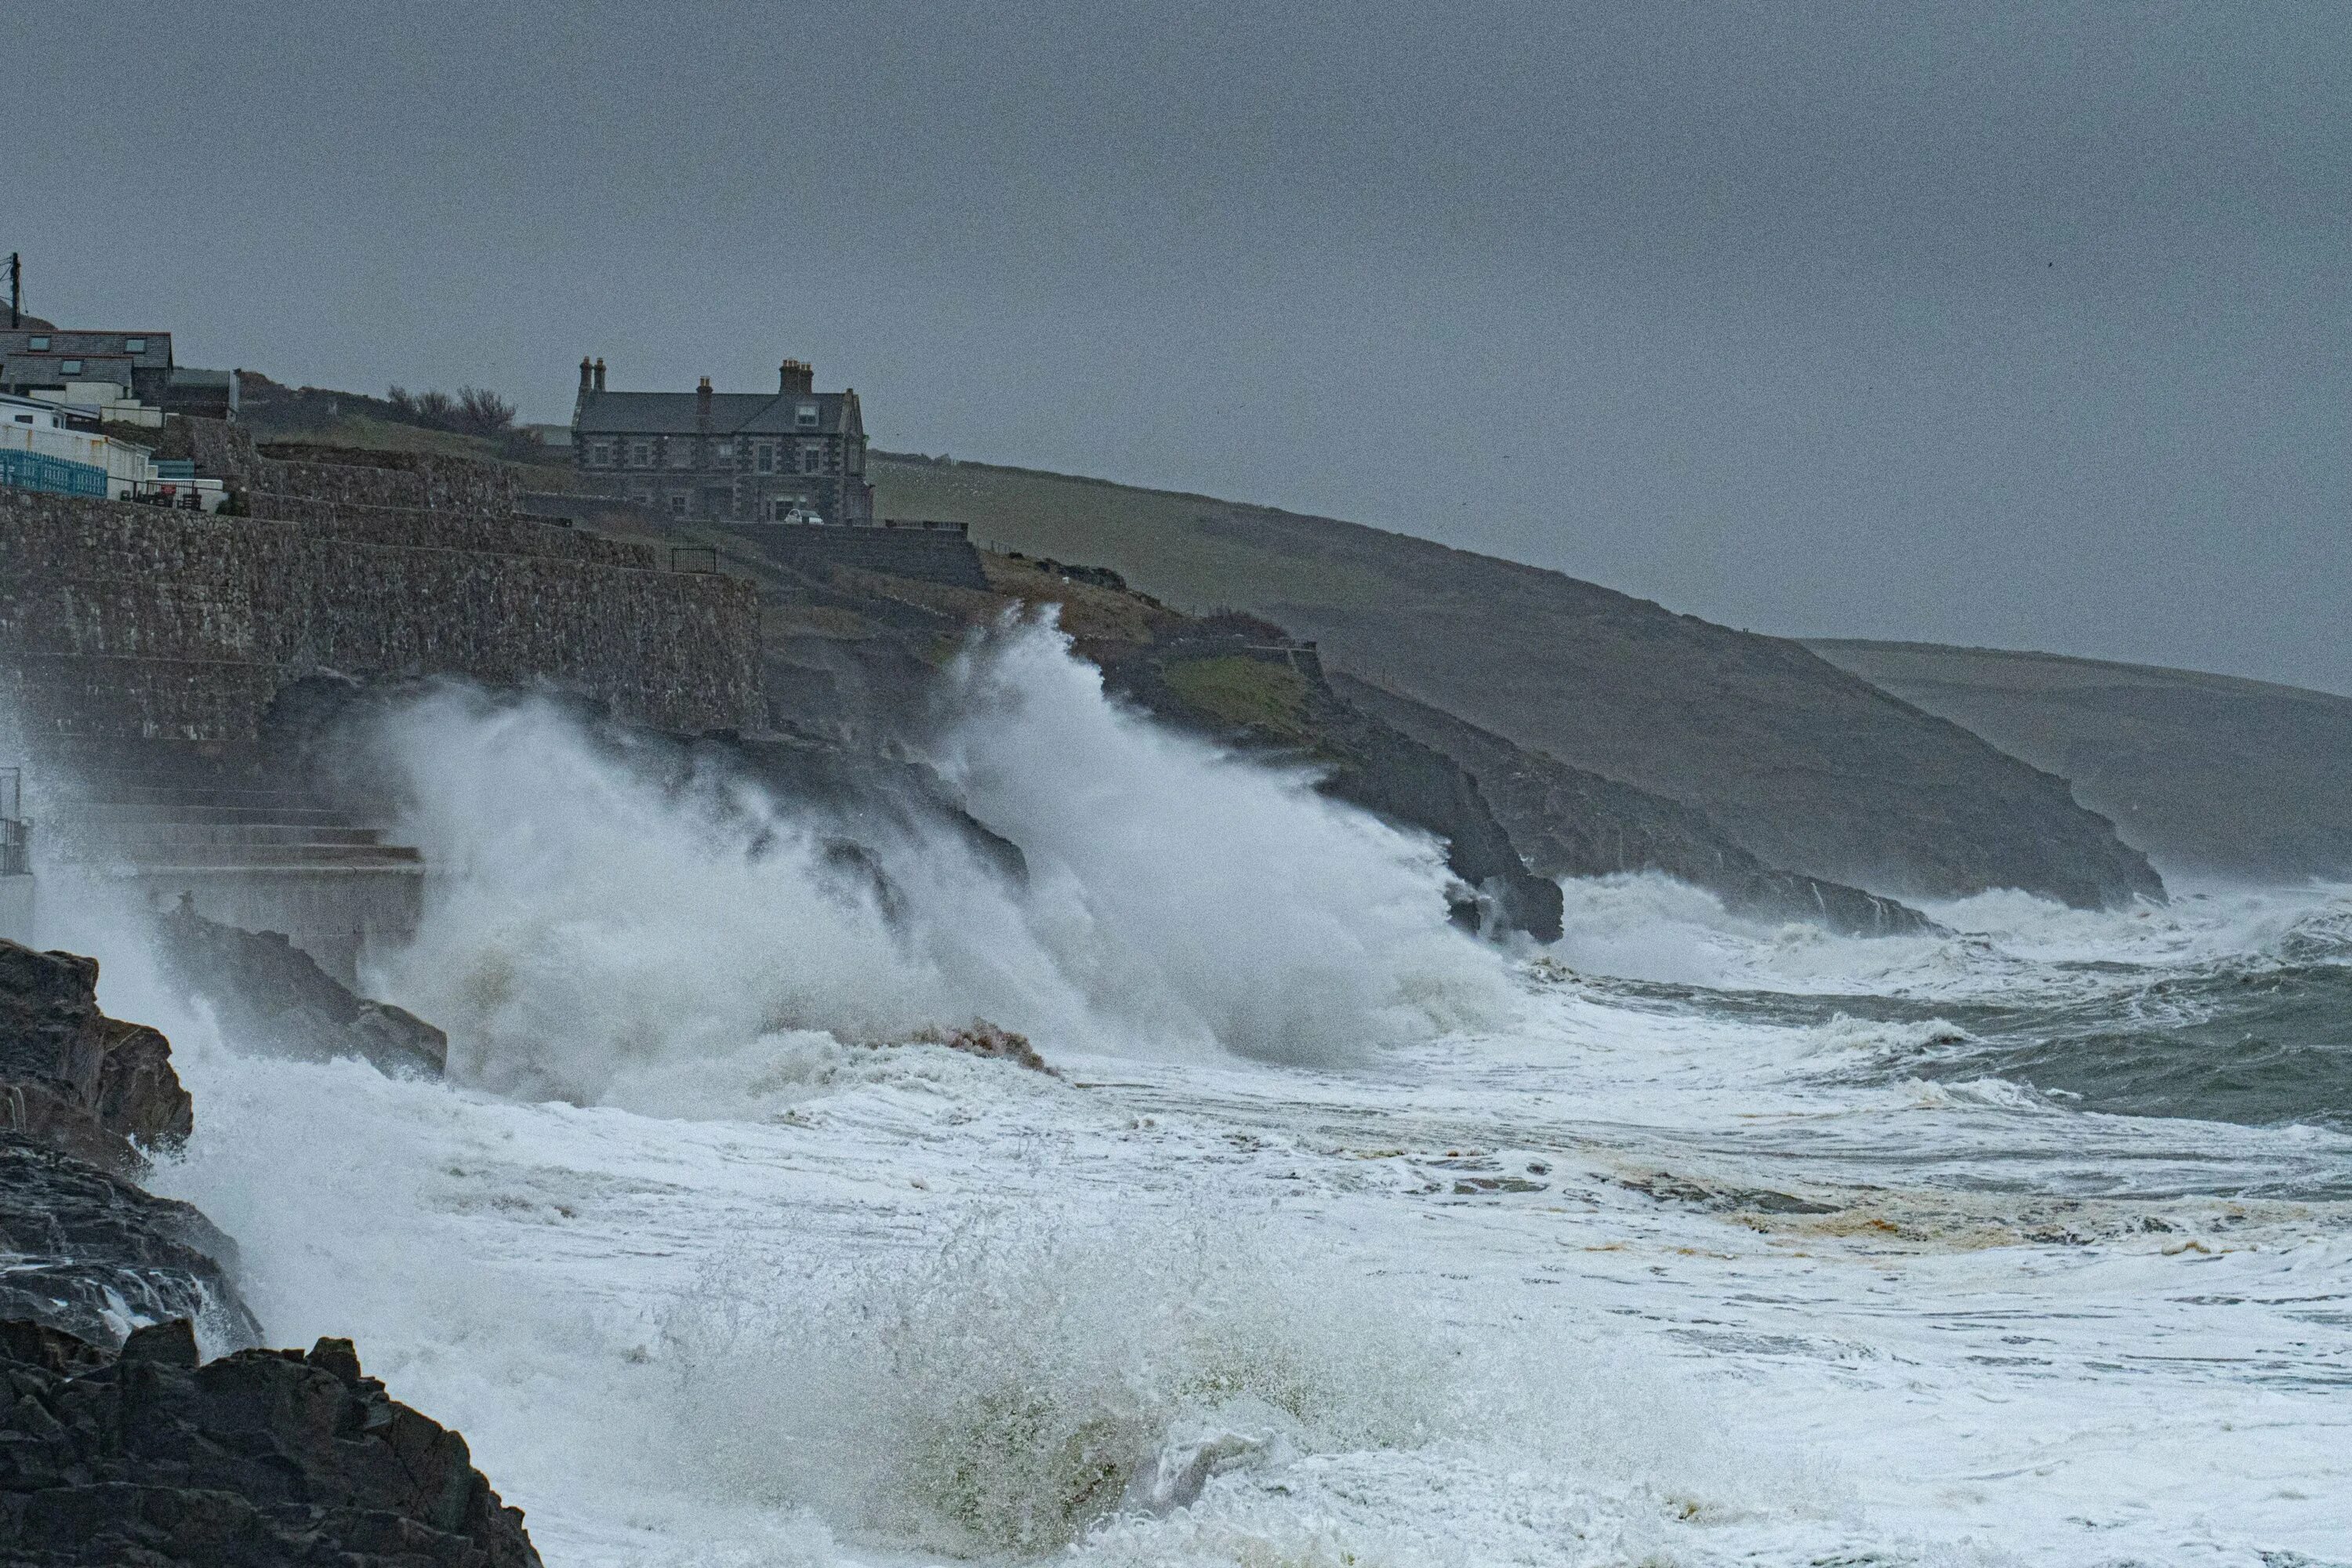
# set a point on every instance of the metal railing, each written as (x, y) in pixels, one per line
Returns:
(16, 833)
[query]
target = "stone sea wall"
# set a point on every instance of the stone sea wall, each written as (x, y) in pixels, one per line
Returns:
(499, 534)
(126, 622)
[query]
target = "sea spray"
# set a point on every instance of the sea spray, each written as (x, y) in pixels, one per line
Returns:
(1038, 1372)
(599, 931)
(1213, 888)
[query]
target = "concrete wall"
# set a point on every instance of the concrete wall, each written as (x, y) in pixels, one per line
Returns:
(123, 621)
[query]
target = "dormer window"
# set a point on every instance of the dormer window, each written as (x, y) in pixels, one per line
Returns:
(805, 416)
(135, 345)
(38, 345)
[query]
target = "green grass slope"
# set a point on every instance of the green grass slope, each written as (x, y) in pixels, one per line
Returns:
(1809, 768)
(2211, 774)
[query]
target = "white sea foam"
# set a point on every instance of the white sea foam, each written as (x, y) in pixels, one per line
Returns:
(1650, 927)
(708, 1271)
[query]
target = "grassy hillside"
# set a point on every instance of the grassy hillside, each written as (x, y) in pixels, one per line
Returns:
(2208, 773)
(1807, 767)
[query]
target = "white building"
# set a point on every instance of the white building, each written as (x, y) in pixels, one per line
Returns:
(50, 447)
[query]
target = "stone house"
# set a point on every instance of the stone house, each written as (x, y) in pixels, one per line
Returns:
(794, 454)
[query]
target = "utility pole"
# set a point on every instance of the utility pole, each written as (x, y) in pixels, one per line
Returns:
(16, 287)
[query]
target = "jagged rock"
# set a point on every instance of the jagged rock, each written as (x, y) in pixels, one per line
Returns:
(84, 1251)
(74, 1078)
(270, 995)
(259, 1460)
(982, 1038)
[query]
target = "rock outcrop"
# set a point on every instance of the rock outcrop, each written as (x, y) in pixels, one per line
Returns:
(1572, 822)
(84, 1251)
(82, 1095)
(72, 1078)
(270, 995)
(259, 1460)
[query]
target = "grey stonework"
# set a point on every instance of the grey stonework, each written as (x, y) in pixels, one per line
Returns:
(725, 457)
(508, 535)
(122, 622)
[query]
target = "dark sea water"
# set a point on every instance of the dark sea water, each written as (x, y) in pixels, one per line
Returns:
(2258, 1033)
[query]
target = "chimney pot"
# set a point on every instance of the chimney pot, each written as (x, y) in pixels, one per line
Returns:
(600, 373)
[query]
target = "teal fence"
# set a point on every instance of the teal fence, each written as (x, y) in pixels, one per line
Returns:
(33, 471)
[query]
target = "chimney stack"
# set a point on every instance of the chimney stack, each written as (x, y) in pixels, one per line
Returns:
(795, 377)
(702, 398)
(587, 382)
(600, 374)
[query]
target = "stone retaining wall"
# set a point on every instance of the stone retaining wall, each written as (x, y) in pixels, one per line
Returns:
(429, 529)
(130, 622)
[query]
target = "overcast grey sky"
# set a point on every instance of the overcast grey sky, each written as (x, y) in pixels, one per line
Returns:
(2022, 326)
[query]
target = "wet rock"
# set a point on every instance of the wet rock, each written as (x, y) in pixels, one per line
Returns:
(1669, 1188)
(270, 995)
(258, 1459)
(981, 1038)
(84, 1252)
(74, 1078)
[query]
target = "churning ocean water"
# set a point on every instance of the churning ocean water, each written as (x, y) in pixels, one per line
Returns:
(1340, 1238)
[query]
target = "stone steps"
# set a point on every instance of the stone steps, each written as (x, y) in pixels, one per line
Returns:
(128, 813)
(160, 859)
(160, 834)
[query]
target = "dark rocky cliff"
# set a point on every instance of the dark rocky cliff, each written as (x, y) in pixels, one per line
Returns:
(1802, 764)
(116, 1444)
(2211, 776)
(1572, 822)
(259, 1460)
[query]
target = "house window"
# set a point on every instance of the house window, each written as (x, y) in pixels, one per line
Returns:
(805, 416)
(599, 454)
(641, 453)
(763, 457)
(722, 452)
(681, 452)
(811, 458)
(69, 367)
(135, 345)
(678, 503)
(37, 345)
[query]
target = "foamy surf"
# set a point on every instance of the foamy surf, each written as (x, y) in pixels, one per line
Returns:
(1705, 1261)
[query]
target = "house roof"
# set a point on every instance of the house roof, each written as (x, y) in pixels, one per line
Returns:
(155, 354)
(731, 412)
